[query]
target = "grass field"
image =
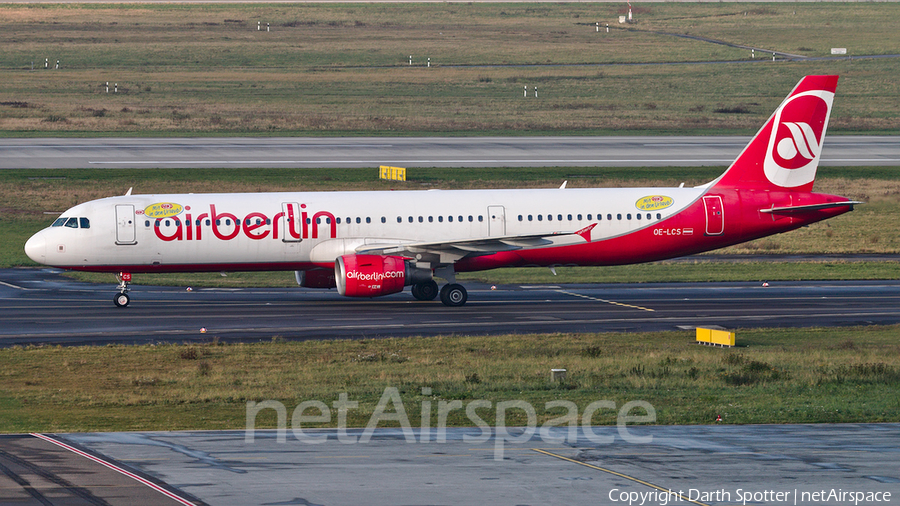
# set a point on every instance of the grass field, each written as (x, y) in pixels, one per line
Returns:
(774, 376)
(344, 69)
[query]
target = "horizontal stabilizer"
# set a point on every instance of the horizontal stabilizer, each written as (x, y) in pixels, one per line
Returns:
(810, 207)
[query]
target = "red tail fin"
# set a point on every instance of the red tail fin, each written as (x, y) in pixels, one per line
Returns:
(784, 154)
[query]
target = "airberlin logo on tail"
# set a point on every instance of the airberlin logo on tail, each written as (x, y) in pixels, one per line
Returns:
(796, 140)
(801, 147)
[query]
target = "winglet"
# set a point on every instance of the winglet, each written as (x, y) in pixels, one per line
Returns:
(585, 233)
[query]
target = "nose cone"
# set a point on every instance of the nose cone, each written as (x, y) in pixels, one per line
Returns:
(36, 247)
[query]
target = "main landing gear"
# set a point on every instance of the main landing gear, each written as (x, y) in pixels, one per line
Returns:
(425, 291)
(122, 299)
(452, 294)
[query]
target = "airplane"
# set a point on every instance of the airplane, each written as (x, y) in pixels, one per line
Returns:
(374, 243)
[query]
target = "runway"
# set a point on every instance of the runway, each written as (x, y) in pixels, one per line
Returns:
(348, 152)
(41, 306)
(651, 465)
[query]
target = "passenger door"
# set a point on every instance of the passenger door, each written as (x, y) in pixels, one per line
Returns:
(715, 217)
(125, 224)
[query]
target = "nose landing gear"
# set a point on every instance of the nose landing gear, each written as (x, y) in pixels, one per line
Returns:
(122, 299)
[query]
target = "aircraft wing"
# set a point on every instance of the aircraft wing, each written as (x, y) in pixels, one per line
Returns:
(458, 248)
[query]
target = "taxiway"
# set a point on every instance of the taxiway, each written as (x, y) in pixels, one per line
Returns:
(42, 306)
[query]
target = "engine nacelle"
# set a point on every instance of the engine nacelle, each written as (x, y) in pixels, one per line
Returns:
(374, 275)
(315, 278)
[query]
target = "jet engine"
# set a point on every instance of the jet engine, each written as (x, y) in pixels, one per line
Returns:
(375, 275)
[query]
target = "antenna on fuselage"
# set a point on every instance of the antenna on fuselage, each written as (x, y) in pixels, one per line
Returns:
(563, 186)
(129, 191)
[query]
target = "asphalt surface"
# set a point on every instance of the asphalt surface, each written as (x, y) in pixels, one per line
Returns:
(41, 306)
(341, 152)
(648, 465)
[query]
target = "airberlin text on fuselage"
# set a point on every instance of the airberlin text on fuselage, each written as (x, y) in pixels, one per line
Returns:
(256, 226)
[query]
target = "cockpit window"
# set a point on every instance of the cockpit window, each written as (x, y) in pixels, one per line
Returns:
(72, 222)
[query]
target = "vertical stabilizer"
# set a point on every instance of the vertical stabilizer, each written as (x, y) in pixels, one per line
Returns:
(784, 154)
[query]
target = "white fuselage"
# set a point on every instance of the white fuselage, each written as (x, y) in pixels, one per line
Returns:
(286, 230)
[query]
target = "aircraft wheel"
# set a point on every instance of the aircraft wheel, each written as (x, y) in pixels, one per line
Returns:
(454, 295)
(122, 300)
(425, 291)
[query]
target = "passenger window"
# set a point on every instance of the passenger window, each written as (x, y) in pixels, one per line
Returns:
(471, 219)
(450, 219)
(358, 221)
(579, 217)
(480, 218)
(460, 219)
(383, 219)
(540, 217)
(559, 217)
(638, 215)
(421, 219)
(589, 217)
(628, 216)
(440, 219)
(549, 217)
(529, 217)
(399, 219)
(520, 217)
(368, 220)
(609, 217)
(431, 219)
(618, 216)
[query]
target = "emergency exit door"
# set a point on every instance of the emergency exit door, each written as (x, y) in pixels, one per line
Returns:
(496, 221)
